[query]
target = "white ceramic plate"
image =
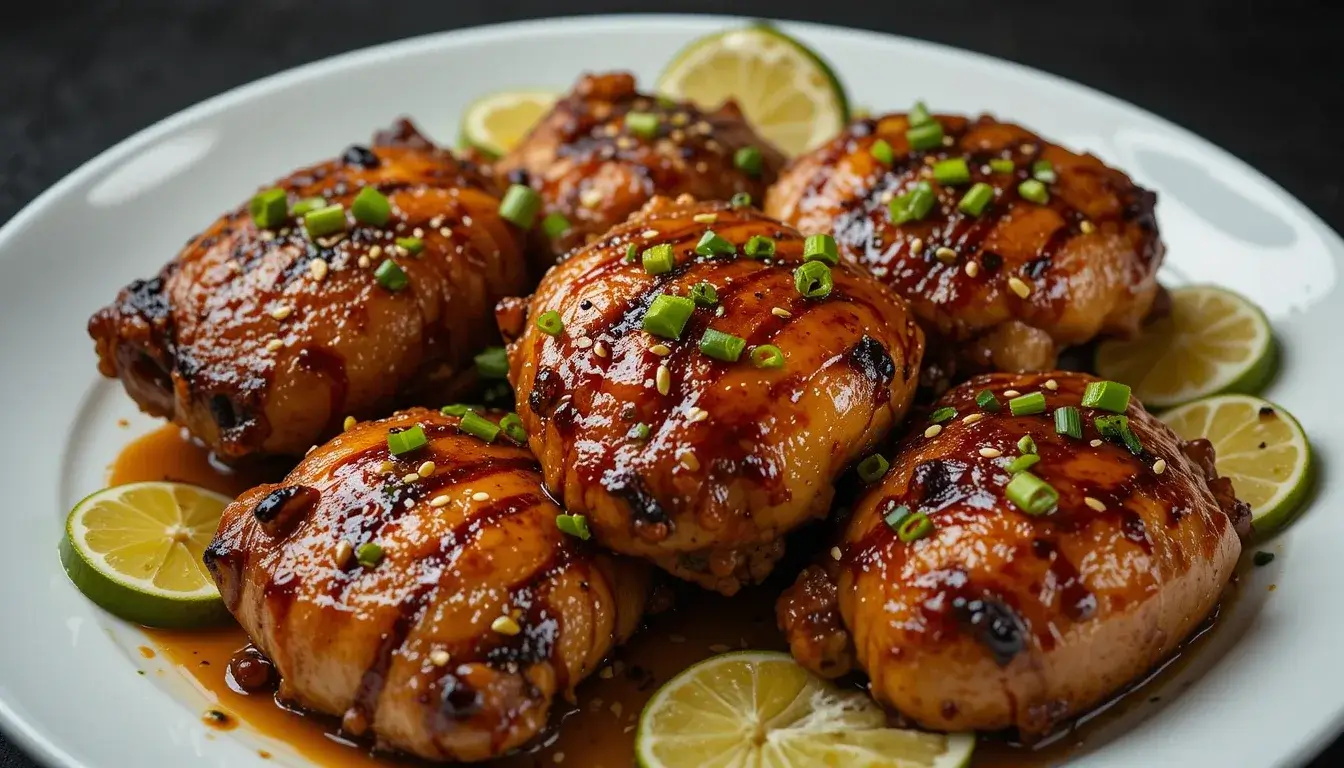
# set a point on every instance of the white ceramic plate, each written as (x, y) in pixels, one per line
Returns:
(1269, 690)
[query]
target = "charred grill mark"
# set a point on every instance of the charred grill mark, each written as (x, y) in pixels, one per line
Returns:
(871, 360)
(284, 506)
(643, 504)
(994, 625)
(361, 157)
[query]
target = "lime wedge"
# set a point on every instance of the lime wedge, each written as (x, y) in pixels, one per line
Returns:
(496, 123)
(787, 91)
(136, 551)
(1259, 446)
(1213, 342)
(757, 709)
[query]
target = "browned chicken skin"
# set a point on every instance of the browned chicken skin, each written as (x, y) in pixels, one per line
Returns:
(410, 650)
(1087, 259)
(1000, 619)
(262, 342)
(732, 456)
(592, 167)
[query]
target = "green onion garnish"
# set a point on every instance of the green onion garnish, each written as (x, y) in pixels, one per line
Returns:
(1031, 494)
(1068, 422)
(1028, 404)
(369, 554)
(1116, 429)
(704, 295)
(307, 205)
(371, 207)
(658, 259)
(667, 315)
(873, 468)
(914, 205)
(325, 221)
(767, 356)
(813, 280)
(642, 124)
(914, 528)
(1002, 165)
(270, 208)
(881, 151)
(1107, 396)
(1034, 191)
(1026, 444)
(926, 136)
(406, 440)
(520, 205)
(639, 432)
(550, 323)
(759, 246)
(748, 160)
(554, 225)
(712, 245)
(412, 245)
(722, 346)
(631, 253)
(987, 401)
(492, 364)
(952, 171)
(740, 200)
(976, 199)
(1044, 172)
(391, 276)
(512, 426)
(919, 114)
(895, 517)
(478, 426)
(946, 413)
(573, 525)
(457, 409)
(1022, 463)
(821, 248)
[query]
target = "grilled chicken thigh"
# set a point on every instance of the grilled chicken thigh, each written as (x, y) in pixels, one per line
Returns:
(262, 340)
(605, 149)
(996, 618)
(1037, 269)
(436, 608)
(675, 454)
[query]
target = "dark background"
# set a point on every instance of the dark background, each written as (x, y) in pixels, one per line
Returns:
(1263, 79)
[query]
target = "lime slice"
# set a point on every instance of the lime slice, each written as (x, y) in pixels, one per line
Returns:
(496, 123)
(787, 92)
(1213, 342)
(136, 551)
(1259, 446)
(757, 709)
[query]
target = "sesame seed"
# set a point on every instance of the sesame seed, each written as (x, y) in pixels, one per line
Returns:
(886, 197)
(991, 453)
(972, 268)
(1028, 149)
(661, 350)
(616, 708)
(1020, 288)
(1096, 443)
(835, 553)
(439, 501)
(720, 311)
(625, 142)
(947, 141)
(600, 349)
(917, 246)
(934, 430)
(375, 251)
(364, 262)
(1011, 393)
(663, 380)
(1159, 466)
(946, 255)
(650, 233)
(386, 467)
(274, 344)
(1087, 227)
(439, 657)
(688, 460)
(436, 222)
(974, 417)
(606, 673)
(703, 128)
(559, 757)
(445, 232)
(781, 312)
(1051, 385)
(426, 469)
(505, 625)
(1097, 505)
(590, 198)
(328, 242)
(702, 167)
(480, 496)
(418, 232)
(344, 551)
(317, 268)
(281, 311)
(265, 236)
(349, 423)
(696, 415)
(681, 118)
(583, 342)
(410, 477)
(705, 218)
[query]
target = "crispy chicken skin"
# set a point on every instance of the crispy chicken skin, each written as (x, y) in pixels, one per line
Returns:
(999, 619)
(262, 342)
(735, 455)
(367, 643)
(587, 163)
(1088, 258)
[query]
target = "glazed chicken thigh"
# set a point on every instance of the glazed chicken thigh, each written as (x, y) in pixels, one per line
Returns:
(698, 407)
(263, 339)
(427, 598)
(975, 602)
(605, 149)
(1008, 247)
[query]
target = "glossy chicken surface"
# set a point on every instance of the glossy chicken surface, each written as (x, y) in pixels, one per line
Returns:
(1000, 619)
(698, 464)
(262, 341)
(592, 166)
(412, 650)
(1002, 290)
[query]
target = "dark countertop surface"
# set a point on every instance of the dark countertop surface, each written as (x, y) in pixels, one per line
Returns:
(1264, 80)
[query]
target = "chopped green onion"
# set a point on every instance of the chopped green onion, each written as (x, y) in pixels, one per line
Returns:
(520, 205)
(712, 245)
(987, 401)
(704, 295)
(325, 221)
(1031, 494)
(573, 525)
(1068, 422)
(369, 554)
(391, 276)
(492, 363)
(269, 209)
(767, 356)
(881, 151)
(873, 468)
(952, 171)
(976, 199)
(759, 246)
(406, 440)
(550, 323)
(1033, 190)
(946, 413)
(1262, 558)
(1106, 395)
(1043, 171)
(914, 528)
(658, 259)
(639, 432)
(1022, 463)
(748, 160)
(307, 205)
(642, 124)
(919, 114)
(821, 248)
(926, 136)
(457, 409)
(554, 225)
(813, 280)
(895, 517)
(667, 315)
(740, 200)
(631, 253)
(412, 245)
(914, 205)
(478, 426)
(1028, 404)
(1026, 444)
(1116, 429)
(371, 207)
(722, 346)
(512, 426)
(1002, 165)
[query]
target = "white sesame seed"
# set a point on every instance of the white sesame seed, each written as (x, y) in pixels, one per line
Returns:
(1016, 285)
(1096, 443)
(426, 469)
(1087, 227)
(349, 423)
(974, 417)
(934, 430)
(781, 312)
(505, 625)
(1096, 504)
(688, 460)
(705, 218)
(600, 349)
(410, 477)
(436, 222)
(439, 501)
(439, 657)
(418, 232)
(364, 262)
(649, 233)
(1028, 149)
(375, 252)
(317, 268)
(281, 311)
(1011, 393)
(1051, 385)
(344, 551)
(663, 380)
(1159, 466)
(445, 232)
(886, 197)
(583, 342)
(991, 453)
(972, 268)
(917, 246)
(835, 553)
(696, 415)
(386, 467)
(661, 350)
(480, 496)
(265, 235)
(559, 757)
(945, 255)
(274, 344)
(720, 312)
(590, 198)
